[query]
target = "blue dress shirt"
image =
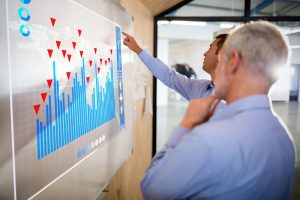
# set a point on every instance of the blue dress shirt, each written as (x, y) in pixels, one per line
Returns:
(243, 152)
(188, 88)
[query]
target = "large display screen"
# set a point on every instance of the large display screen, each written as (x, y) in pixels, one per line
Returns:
(66, 88)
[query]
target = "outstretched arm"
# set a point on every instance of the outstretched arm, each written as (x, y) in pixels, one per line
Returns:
(189, 89)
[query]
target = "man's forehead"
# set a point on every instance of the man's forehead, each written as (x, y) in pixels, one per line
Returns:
(214, 42)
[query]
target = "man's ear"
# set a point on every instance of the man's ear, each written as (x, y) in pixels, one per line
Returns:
(234, 62)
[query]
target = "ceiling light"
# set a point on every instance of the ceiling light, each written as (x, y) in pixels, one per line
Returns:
(188, 23)
(163, 22)
(223, 25)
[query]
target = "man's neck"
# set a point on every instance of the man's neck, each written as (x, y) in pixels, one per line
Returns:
(243, 89)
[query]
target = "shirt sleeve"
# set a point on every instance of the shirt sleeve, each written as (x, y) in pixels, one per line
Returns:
(181, 165)
(184, 86)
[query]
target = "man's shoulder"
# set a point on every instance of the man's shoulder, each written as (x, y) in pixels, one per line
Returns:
(201, 81)
(201, 87)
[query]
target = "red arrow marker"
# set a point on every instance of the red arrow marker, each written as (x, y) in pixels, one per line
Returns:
(101, 61)
(50, 51)
(68, 75)
(81, 52)
(108, 60)
(53, 20)
(110, 51)
(36, 108)
(49, 82)
(58, 43)
(79, 32)
(87, 79)
(44, 95)
(64, 53)
(95, 50)
(98, 70)
(69, 57)
(90, 61)
(74, 45)
(105, 62)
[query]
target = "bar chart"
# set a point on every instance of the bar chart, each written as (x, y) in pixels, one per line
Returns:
(69, 111)
(68, 114)
(73, 116)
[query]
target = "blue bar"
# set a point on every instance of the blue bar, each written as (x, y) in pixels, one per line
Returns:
(93, 108)
(73, 114)
(80, 110)
(67, 126)
(64, 115)
(61, 123)
(71, 120)
(56, 95)
(69, 110)
(42, 140)
(56, 139)
(58, 116)
(38, 138)
(50, 124)
(75, 105)
(48, 131)
(45, 139)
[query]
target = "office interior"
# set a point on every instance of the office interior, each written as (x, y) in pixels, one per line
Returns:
(180, 32)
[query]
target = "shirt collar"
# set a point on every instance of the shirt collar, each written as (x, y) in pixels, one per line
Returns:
(252, 102)
(210, 86)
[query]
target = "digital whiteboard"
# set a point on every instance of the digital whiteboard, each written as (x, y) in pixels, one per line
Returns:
(69, 125)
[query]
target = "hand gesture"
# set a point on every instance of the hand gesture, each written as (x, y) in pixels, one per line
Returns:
(130, 42)
(199, 111)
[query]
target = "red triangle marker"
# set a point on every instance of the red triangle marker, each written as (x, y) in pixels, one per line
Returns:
(108, 60)
(50, 51)
(44, 95)
(53, 20)
(95, 50)
(36, 108)
(64, 53)
(101, 61)
(79, 32)
(87, 79)
(69, 57)
(98, 70)
(90, 61)
(105, 62)
(81, 52)
(58, 43)
(49, 82)
(68, 75)
(110, 51)
(74, 45)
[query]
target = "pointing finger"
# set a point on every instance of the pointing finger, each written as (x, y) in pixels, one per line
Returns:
(127, 35)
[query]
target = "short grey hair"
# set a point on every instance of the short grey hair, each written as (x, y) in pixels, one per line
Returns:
(263, 48)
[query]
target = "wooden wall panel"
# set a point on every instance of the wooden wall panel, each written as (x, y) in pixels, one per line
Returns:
(126, 183)
(158, 6)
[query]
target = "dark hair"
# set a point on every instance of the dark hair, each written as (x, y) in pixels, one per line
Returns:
(221, 39)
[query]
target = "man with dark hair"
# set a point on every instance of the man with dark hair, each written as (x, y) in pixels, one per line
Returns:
(221, 39)
(188, 88)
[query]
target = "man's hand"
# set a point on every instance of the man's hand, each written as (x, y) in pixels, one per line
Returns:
(130, 42)
(199, 111)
